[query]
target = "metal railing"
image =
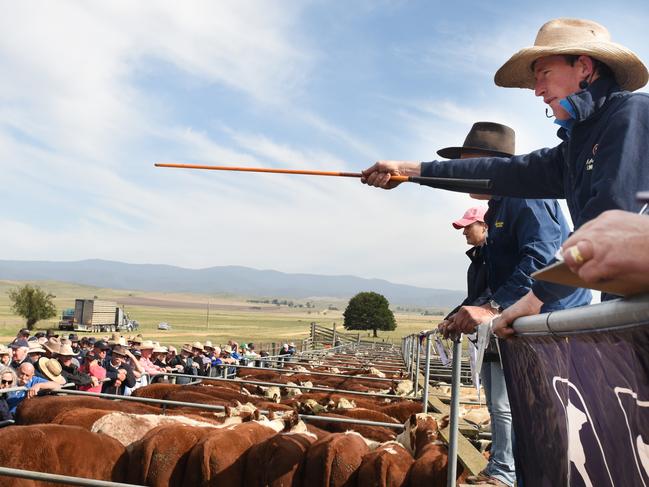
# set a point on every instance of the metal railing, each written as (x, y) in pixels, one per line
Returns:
(60, 479)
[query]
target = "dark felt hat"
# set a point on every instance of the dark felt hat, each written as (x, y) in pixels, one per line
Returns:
(489, 138)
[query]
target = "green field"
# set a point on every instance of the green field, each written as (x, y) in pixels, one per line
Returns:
(230, 317)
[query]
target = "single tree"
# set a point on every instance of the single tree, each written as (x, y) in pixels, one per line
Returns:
(32, 303)
(369, 311)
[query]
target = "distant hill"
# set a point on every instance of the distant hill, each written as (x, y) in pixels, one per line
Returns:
(221, 280)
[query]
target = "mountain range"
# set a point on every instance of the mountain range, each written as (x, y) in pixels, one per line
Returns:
(236, 280)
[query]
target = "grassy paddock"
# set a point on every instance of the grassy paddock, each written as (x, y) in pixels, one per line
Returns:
(230, 317)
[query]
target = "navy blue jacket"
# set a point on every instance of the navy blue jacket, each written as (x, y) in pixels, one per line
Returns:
(478, 292)
(600, 166)
(523, 236)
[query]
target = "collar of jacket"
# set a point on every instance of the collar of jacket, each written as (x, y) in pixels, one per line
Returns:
(587, 102)
(475, 253)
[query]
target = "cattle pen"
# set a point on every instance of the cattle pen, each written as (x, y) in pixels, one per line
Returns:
(613, 324)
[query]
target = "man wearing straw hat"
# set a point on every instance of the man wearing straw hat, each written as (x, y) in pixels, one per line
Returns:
(587, 81)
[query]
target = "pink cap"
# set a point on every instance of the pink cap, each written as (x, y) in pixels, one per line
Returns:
(472, 215)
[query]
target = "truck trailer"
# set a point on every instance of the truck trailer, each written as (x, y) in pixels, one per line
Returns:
(98, 316)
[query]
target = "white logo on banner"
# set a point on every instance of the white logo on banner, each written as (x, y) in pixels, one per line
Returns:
(639, 447)
(576, 420)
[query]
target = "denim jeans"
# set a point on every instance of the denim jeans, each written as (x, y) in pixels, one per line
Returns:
(501, 461)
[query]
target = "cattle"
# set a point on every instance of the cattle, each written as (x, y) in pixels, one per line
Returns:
(334, 460)
(282, 457)
(376, 433)
(421, 438)
(63, 450)
(128, 428)
(219, 458)
(388, 465)
(402, 410)
(83, 417)
(44, 409)
(155, 391)
(159, 459)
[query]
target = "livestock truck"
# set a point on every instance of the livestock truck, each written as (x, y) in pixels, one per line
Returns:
(97, 316)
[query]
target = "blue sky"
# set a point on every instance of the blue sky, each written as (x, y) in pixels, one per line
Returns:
(93, 93)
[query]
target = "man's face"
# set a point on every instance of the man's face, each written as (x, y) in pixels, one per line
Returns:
(555, 79)
(475, 233)
(116, 359)
(19, 353)
(24, 375)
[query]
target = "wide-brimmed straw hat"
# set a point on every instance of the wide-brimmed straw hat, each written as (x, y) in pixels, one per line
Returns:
(4, 350)
(208, 344)
(65, 350)
(488, 138)
(574, 37)
(35, 347)
(51, 368)
(198, 346)
(52, 345)
(160, 349)
(187, 348)
(146, 345)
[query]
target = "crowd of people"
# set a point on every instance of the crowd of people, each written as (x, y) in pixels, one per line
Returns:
(113, 365)
(599, 168)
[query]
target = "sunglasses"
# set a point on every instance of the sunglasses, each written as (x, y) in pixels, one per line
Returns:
(7, 382)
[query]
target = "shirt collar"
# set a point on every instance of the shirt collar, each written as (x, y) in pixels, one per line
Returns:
(584, 103)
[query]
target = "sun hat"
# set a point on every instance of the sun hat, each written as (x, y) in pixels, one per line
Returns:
(147, 345)
(574, 37)
(120, 350)
(66, 350)
(489, 138)
(51, 368)
(4, 350)
(198, 346)
(160, 349)
(208, 344)
(472, 215)
(35, 347)
(52, 345)
(186, 348)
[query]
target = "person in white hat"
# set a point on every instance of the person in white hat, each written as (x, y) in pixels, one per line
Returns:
(587, 81)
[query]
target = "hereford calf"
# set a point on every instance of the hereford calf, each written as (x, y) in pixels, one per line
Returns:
(44, 409)
(421, 438)
(159, 459)
(334, 460)
(63, 450)
(278, 461)
(219, 458)
(388, 465)
(376, 433)
(128, 428)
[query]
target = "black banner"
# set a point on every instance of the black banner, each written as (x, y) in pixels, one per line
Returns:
(580, 407)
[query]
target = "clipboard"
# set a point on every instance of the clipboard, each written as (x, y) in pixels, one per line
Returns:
(560, 273)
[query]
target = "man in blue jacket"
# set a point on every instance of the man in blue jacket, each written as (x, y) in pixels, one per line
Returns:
(587, 80)
(523, 236)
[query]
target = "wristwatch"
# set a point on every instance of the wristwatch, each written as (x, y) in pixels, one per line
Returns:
(495, 306)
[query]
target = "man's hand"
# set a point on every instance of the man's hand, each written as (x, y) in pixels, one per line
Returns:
(443, 327)
(613, 245)
(33, 391)
(379, 175)
(467, 319)
(526, 306)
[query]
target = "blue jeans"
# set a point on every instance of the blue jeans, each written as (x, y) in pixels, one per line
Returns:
(501, 461)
